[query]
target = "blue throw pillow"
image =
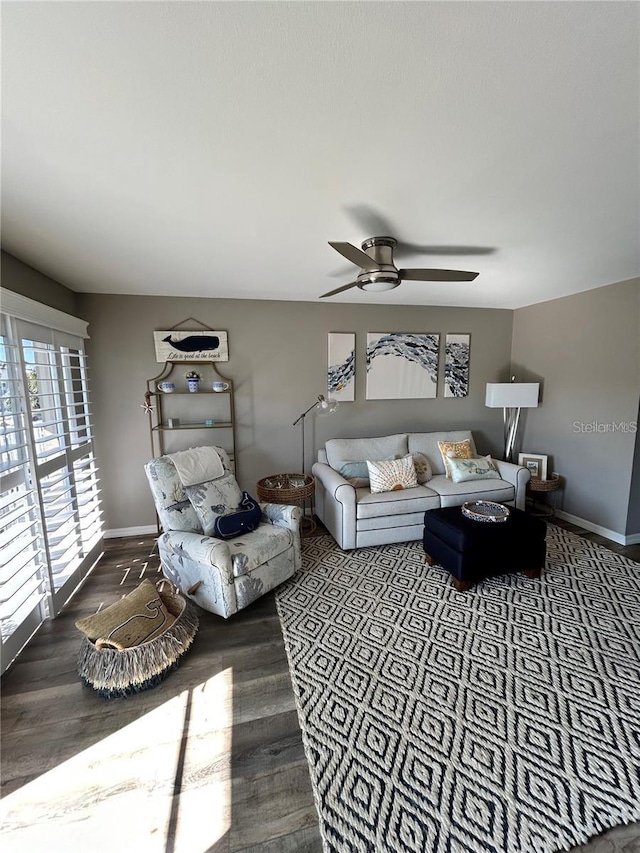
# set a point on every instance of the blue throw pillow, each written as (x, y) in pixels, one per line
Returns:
(245, 519)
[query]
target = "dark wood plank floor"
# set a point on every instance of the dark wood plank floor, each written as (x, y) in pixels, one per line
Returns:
(210, 760)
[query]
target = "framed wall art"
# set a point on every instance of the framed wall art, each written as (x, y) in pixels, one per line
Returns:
(341, 371)
(456, 365)
(183, 345)
(536, 464)
(402, 366)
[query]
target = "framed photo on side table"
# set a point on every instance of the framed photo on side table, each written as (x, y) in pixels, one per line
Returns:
(536, 464)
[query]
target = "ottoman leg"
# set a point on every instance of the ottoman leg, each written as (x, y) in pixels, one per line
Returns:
(429, 559)
(533, 573)
(461, 586)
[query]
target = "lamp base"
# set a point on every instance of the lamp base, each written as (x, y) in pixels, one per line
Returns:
(511, 422)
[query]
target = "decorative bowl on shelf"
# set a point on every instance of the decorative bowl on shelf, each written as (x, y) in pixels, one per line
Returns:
(485, 511)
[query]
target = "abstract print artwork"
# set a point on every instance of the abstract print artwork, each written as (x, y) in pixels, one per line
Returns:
(456, 365)
(401, 366)
(341, 373)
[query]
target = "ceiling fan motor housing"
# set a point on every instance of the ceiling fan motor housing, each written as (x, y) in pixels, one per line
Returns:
(386, 277)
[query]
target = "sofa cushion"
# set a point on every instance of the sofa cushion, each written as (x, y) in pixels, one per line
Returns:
(456, 450)
(455, 494)
(423, 468)
(356, 473)
(479, 468)
(341, 450)
(380, 504)
(392, 475)
(214, 498)
(427, 443)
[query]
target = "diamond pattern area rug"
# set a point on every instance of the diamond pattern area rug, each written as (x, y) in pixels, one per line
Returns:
(506, 718)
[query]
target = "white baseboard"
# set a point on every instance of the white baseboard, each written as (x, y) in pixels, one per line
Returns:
(620, 538)
(118, 532)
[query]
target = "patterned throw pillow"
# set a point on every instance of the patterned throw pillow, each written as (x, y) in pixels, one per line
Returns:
(137, 618)
(423, 468)
(473, 469)
(217, 497)
(392, 475)
(455, 449)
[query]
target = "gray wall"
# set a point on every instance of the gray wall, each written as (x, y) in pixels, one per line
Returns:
(585, 350)
(27, 281)
(278, 360)
(633, 516)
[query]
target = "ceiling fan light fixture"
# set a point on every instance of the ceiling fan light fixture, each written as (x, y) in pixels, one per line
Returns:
(379, 285)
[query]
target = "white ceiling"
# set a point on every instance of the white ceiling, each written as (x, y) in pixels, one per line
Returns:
(212, 149)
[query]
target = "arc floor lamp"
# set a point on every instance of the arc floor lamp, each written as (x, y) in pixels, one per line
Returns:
(322, 406)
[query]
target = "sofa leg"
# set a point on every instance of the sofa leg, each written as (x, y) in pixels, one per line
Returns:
(533, 573)
(429, 559)
(461, 586)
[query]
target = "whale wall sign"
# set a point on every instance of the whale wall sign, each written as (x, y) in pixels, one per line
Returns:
(191, 346)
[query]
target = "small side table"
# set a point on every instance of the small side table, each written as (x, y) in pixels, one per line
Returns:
(537, 487)
(290, 489)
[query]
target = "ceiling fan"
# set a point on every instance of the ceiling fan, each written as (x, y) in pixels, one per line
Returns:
(379, 273)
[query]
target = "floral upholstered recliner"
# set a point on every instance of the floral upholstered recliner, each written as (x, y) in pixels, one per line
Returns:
(222, 576)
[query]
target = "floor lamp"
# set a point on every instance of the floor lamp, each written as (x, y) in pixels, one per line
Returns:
(511, 397)
(322, 406)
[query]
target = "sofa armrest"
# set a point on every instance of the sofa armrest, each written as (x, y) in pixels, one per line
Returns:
(336, 504)
(518, 476)
(198, 548)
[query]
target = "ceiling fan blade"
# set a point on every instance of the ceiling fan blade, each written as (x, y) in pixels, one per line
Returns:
(407, 249)
(339, 289)
(356, 256)
(437, 275)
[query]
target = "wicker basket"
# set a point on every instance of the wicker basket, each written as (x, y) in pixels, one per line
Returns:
(117, 673)
(550, 485)
(284, 492)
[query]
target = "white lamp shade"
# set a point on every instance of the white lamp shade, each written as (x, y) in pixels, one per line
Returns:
(512, 395)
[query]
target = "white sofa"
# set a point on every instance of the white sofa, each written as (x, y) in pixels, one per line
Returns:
(356, 518)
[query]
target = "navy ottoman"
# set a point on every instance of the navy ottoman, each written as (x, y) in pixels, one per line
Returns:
(471, 549)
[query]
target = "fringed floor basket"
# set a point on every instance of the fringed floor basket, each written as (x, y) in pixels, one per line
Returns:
(116, 674)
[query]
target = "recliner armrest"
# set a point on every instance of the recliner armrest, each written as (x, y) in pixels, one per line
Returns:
(202, 549)
(282, 515)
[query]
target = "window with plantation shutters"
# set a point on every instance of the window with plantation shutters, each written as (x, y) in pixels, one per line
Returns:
(22, 569)
(50, 522)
